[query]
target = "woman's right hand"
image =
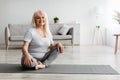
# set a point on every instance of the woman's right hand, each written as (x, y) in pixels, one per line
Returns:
(28, 59)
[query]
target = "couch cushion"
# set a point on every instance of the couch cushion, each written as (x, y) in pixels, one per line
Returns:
(64, 42)
(54, 28)
(16, 38)
(18, 29)
(58, 37)
(55, 37)
(64, 30)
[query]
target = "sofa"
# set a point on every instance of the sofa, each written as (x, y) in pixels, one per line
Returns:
(67, 34)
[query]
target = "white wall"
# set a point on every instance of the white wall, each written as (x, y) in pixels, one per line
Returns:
(112, 25)
(69, 11)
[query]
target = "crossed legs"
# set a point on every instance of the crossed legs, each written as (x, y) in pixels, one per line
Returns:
(45, 61)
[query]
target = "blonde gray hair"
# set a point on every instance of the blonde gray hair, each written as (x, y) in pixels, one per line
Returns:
(46, 26)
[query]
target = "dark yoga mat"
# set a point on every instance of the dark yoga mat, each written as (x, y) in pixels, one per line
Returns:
(60, 69)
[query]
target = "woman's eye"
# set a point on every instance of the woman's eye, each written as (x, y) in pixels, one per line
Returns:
(42, 17)
(37, 17)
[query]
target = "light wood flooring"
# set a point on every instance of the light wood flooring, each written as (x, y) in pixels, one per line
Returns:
(98, 55)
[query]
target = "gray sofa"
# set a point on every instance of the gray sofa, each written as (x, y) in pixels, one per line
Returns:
(14, 34)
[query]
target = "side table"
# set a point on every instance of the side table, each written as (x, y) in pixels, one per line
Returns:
(116, 42)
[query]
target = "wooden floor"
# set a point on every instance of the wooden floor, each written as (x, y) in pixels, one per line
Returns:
(77, 55)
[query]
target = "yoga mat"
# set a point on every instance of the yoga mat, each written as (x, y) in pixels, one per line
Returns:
(60, 69)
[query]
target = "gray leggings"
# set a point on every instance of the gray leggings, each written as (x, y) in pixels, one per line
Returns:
(49, 57)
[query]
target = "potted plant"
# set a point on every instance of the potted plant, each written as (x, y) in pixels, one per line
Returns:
(56, 19)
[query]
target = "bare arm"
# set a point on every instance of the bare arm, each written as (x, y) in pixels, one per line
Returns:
(59, 46)
(25, 48)
(28, 58)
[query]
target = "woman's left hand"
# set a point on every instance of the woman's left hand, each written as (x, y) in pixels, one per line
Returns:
(60, 47)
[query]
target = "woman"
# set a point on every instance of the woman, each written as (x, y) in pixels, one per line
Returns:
(38, 48)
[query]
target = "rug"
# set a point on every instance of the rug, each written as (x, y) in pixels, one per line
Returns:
(60, 69)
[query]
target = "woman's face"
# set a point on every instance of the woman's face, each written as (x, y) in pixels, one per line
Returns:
(40, 19)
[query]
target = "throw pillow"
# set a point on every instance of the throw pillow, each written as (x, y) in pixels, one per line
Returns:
(64, 30)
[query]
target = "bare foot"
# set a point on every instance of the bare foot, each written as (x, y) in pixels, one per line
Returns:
(39, 66)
